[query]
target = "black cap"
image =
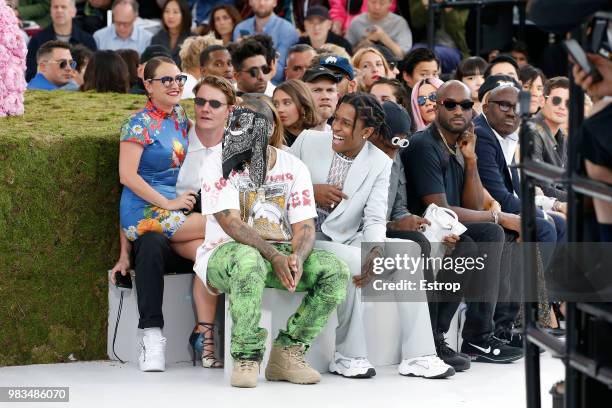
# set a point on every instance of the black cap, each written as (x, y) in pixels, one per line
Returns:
(397, 118)
(495, 81)
(317, 11)
(314, 73)
(153, 51)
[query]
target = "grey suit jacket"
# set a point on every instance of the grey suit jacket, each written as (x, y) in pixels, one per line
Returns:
(363, 216)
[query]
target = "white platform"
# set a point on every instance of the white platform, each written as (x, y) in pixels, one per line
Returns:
(111, 384)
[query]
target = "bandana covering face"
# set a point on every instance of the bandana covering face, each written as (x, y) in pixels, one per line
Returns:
(246, 140)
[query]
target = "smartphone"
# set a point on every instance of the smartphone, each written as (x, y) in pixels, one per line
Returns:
(579, 56)
(123, 282)
(244, 33)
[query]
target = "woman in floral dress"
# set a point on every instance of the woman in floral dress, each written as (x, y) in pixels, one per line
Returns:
(153, 147)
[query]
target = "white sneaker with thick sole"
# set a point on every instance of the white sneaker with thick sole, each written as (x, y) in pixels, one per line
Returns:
(152, 354)
(349, 367)
(426, 366)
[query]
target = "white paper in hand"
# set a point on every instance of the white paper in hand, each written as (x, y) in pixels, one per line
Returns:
(443, 222)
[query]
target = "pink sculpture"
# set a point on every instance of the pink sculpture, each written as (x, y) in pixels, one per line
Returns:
(12, 63)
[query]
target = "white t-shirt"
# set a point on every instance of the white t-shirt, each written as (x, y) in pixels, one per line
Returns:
(196, 161)
(289, 199)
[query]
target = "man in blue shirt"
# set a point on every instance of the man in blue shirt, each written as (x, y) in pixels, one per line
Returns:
(61, 28)
(282, 32)
(55, 66)
(123, 33)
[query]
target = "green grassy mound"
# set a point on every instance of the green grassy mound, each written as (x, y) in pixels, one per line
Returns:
(59, 201)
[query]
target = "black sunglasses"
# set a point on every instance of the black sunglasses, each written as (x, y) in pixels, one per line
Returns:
(422, 100)
(64, 63)
(452, 105)
(215, 104)
(557, 100)
(506, 106)
(253, 71)
(167, 81)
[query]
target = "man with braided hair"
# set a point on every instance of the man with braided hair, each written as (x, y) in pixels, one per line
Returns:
(351, 186)
(260, 233)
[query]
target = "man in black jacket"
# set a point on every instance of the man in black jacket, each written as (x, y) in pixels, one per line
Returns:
(62, 29)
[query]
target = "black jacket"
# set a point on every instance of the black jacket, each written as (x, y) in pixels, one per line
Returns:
(78, 36)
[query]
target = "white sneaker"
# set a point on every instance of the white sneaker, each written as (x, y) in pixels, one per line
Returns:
(426, 366)
(349, 367)
(153, 354)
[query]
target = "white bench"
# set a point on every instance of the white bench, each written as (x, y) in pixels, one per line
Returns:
(380, 319)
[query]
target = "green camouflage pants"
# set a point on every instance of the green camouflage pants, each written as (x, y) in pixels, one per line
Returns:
(241, 272)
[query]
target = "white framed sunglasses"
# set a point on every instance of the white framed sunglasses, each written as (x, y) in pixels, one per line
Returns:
(399, 142)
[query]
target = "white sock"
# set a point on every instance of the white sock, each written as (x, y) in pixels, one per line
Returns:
(153, 332)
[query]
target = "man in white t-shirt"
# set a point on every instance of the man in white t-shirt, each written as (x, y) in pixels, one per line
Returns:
(260, 233)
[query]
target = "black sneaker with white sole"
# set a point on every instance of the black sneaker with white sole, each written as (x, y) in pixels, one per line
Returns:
(492, 350)
(459, 361)
(511, 337)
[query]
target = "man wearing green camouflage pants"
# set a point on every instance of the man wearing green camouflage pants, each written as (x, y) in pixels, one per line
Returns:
(260, 233)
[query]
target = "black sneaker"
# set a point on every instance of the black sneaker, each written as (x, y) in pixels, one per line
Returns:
(510, 337)
(492, 350)
(459, 361)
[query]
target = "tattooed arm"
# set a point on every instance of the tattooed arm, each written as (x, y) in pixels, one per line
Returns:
(241, 232)
(302, 244)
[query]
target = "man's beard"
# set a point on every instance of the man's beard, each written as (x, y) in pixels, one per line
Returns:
(264, 14)
(449, 127)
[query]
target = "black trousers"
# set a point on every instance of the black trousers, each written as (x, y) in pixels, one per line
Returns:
(153, 257)
(479, 239)
(510, 285)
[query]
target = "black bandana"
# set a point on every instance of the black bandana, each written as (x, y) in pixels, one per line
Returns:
(246, 140)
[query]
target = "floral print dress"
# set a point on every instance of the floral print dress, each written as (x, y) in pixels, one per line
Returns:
(164, 138)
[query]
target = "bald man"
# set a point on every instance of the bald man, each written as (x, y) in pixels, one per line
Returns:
(440, 165)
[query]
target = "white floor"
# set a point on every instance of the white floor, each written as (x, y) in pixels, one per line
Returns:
(110, 384)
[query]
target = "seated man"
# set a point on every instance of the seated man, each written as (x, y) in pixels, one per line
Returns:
(260, 233)
(497, 131)
(441, 168)
(55, 66)
(503, 65)
(216, 60)
(418, 64)
(323, 84)
(380, 25)
(549, 140)
(283, 34)
(61, 28)
(251, 68)
(318, 30)
(123, 33)
(298, 60)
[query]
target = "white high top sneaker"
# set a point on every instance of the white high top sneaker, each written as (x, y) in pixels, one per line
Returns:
(153, 353)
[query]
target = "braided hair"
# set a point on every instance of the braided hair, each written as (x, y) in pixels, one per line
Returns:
(370, 111)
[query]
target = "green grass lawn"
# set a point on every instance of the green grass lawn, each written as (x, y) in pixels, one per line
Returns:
(59, 207)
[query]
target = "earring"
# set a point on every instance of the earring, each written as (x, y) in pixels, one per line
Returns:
(364, 137)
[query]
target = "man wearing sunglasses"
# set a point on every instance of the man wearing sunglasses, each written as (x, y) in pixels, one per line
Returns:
(251, 68)
(55, 66)
(549, 140)
(497, 131)
(440, 165)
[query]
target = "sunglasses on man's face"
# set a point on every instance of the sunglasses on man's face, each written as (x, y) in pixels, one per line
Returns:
(506, 106)
(215, 104)
(64, 63)
(167, 81)
(557, 100)
(254, 71)
(452, 105)
(422, 100)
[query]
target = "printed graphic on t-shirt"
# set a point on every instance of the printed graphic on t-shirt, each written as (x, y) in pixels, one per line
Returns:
(268, 217)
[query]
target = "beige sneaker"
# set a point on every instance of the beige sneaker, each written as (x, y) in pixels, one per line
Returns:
(287, 364)
(245, 373)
